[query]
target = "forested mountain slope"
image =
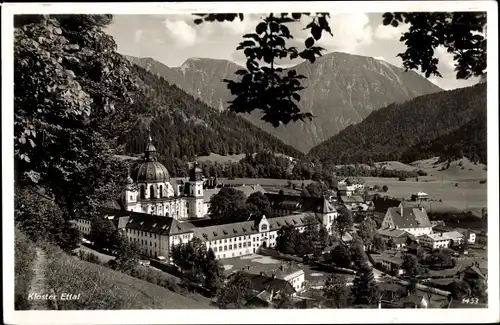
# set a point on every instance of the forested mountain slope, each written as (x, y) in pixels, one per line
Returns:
(183, 127)
(416, 129)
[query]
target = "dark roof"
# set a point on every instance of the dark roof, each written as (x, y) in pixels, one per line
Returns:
(411, 217)
(260, 283)
(475, 269)
(147, 222)
(392, 232)
(300, 203)
(381, 204)
(244, 228)
(352, 199)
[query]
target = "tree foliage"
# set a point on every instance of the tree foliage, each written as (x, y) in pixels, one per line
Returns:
(72, 100)
(226, 205)
(261, 203)
(235, 293)
(41, 219)
(462, 34)
(341, 256)
(128, 254)
(367, 231)
(199, 264)
(263, 85)
(410, 264)
(364, 289)
(344, 221)
(336, 291)
(103, 234)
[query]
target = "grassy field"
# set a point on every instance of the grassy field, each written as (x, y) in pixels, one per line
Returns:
(264, 182)
(466, 195)
(216, 158)
(23, 269)
(102, 288)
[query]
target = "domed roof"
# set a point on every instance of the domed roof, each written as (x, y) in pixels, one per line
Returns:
(151, 170)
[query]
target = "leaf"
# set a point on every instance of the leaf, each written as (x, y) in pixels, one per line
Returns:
(261, 28)
(198, 21)
(323, 22)
(241, 72)
(274, 27)
(296, 96)
(316, 32)
(32, 143)
(309, 42)
(387, 18)
(22, 140)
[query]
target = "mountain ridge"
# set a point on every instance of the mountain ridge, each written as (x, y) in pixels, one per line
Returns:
(359, 86)
(413, 130)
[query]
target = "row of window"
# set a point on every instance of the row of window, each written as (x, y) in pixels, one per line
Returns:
(178, 237)
(143, 242)
(140, 233)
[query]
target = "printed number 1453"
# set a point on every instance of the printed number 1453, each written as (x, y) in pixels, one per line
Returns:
(472, 301)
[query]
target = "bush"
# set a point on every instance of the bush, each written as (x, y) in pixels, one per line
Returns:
(24, 256)
(89, 257)
(402, 179)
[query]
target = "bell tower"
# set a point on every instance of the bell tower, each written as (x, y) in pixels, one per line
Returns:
(195, 196)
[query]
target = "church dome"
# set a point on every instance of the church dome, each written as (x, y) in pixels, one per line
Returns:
(151, 170)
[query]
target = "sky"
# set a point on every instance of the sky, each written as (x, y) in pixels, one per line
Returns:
(172, 39)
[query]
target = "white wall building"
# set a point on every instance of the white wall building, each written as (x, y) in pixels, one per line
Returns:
(434, 241)
(150, 190)
(412, 220)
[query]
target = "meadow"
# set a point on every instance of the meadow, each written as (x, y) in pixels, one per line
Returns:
(103, 288)
(466, 195)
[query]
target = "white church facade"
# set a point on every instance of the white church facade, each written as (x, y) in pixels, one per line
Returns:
(150, 190)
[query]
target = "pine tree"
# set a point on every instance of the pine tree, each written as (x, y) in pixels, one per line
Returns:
(364, 288)
(214, 273)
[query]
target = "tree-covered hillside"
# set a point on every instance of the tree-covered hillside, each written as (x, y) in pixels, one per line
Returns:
(470, 140)
(183, 127)
(389, 133)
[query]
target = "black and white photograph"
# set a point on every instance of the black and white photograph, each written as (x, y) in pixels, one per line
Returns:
(250, 162)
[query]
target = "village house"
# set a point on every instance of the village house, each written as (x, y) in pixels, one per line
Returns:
(285, 205)
(342, 190)
(420, 196)
(434, 241)
(354, 203)
(472, 272)
(467, 234)
(412, 220)
(266, 289)
(400, 237)
(391, 261)
(290, 273)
